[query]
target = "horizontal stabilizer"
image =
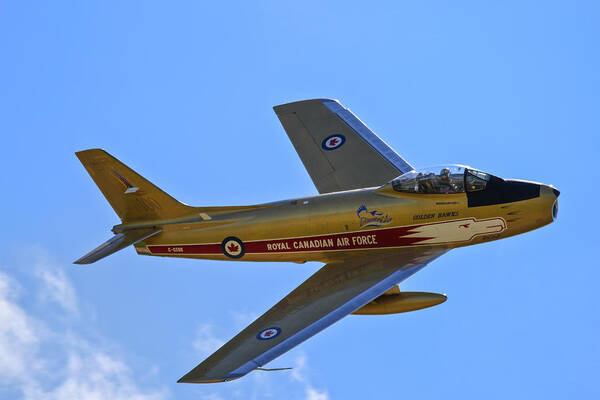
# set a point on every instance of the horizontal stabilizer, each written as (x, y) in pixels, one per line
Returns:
(116, 243)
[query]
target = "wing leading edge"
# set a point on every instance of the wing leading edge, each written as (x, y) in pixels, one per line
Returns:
(337, 149)
(331, 293)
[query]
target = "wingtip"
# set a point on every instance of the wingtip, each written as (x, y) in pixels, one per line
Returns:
(82, 261)
(92, 149)
(188, 378)
(192, 377)
(280, 107)
(184, 380)
(89, 152)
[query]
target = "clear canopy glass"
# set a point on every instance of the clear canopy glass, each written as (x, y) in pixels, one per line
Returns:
(441, 180)
(476, 180)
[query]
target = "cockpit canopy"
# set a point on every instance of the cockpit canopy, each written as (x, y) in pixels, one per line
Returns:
(441, 180)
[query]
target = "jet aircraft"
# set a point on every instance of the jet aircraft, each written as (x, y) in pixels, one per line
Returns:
(376, 221)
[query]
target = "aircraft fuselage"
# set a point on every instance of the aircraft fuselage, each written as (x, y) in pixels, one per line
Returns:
(345, 224)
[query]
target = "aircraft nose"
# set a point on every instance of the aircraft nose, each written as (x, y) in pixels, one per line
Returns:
(555, 203)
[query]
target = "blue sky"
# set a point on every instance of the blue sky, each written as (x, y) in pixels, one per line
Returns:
(183, 94)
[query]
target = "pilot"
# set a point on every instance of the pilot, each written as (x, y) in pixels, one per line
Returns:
(445, 184)
(445, 175)
(426, 183)
(421, 187)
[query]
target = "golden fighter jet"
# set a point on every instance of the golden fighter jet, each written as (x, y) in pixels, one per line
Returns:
(376, 221)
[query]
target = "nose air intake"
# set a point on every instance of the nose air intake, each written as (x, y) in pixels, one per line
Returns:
(555, 205)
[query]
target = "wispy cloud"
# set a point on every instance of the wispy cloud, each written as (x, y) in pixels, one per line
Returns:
(241, 319)
(299, 374)
(18, 340)
(56, 287)
(95, 375)
(38, 362)
(43, 356)
(294, 384)
(313, 394)
(206, 341)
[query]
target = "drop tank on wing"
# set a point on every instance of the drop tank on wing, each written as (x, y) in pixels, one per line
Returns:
(394, 301)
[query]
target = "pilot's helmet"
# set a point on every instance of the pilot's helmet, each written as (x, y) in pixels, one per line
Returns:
(445, 172)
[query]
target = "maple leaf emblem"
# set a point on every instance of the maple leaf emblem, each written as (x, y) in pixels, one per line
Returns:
(233, 248)
(268, 333)
(333, 141)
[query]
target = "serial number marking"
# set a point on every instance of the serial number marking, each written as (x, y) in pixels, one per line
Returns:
(175, 249)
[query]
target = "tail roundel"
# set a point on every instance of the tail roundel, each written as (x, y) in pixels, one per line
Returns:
(134, 198)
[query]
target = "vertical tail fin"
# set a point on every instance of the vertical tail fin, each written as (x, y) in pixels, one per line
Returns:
(131, 196)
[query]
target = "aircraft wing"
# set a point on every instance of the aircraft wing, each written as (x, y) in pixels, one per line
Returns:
(337, 149)
(333, 292)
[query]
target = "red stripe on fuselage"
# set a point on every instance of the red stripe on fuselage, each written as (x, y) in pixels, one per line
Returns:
(390, 237)
(212, 248)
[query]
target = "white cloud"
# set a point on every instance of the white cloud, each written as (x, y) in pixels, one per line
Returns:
(57, 287)
(40, 363)
(299, 366)
(206, 341)
(94, 376)
(18, 341)
(299, 375)
(241, 319)
(258, 384)
(44, 356)
(313, 394)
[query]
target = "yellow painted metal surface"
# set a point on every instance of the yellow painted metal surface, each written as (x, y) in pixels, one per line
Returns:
(369, 239)
(394, 303)
(328, 227)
